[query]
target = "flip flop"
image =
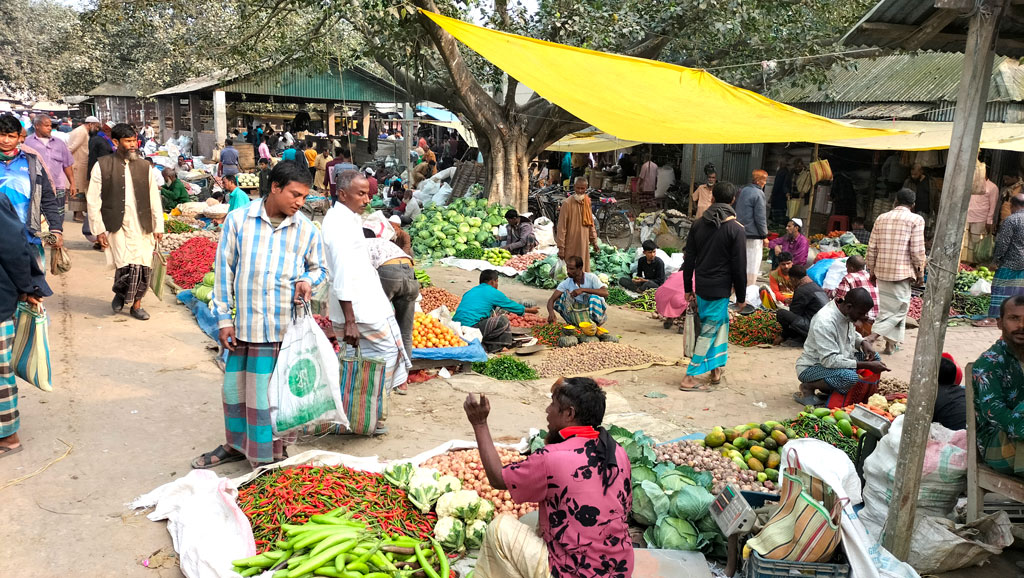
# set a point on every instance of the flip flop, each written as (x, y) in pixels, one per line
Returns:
(699, 388)
(809, 400)
(223, 457)
(719, 380)
(6, 451)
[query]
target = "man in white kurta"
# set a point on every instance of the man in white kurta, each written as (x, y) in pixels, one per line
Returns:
(359, 308)
(126, 215)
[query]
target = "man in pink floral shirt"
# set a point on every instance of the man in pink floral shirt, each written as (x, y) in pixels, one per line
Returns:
(581, 480)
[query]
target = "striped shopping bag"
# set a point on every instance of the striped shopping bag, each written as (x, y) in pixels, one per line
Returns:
(362, 391)
(31, 353)
(805, 528)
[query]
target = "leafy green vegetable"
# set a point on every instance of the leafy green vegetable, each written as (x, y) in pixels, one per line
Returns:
(675, 534)
(505, 368)
(642, 473)
(650, 503)
(618, 296)
(691, 503)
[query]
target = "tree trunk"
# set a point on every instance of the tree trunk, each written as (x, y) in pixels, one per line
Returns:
(507, 162)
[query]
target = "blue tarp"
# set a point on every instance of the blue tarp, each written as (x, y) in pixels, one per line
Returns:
(471, 352)
(204, 317)
(438, 114)
(818, 271)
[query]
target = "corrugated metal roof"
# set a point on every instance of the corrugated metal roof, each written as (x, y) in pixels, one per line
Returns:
(871, 30)
(888, 110)
(114, 89)
(355, 85)
(915, 77)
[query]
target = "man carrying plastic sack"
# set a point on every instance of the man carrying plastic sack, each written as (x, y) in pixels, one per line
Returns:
(359, 308)
(269, 257)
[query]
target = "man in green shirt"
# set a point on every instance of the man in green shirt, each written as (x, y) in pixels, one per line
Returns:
(999, 393)
(236, 197)
(483, 307)
(173, 193)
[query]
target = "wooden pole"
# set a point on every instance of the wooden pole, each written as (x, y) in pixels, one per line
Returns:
(942, 269)
(810, 202)
(693, 176)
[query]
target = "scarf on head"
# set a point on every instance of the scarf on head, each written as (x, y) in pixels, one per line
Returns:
(718, 213)
(606, 446)
(586, 212)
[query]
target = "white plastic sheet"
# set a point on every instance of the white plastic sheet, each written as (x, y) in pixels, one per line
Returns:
(477, 265)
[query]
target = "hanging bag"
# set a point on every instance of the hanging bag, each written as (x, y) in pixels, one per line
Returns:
(31, 352)
(691, 329)
(304, 387)
(362, 390)
(805, 528)
(159, 266)
(820, 171)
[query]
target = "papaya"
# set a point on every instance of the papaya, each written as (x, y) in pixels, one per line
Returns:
(741, 443)
(760, 453)
(735, 455)
(728, 446)
(740, 429)
(774, 459)
(766, 428)
(781, 438)
(740, 463)
(770, 444)
(756, 435)
(822, 412)
(840, 415)
(846, 427)
(762, 477)
(772, 424)
(790, 434)
(714, 439)
(753, 424)
(780, 428)
(829, 419)
(772, 473)
(730, 434)
(755, 464)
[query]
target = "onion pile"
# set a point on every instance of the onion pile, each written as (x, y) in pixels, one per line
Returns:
(465, 465)
(521, 262)
(722, 469)
(171, 241)
(434, 297)
(526, 320)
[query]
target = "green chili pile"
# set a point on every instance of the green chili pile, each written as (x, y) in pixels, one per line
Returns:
(754, 329)
(292, 495)
(645, 302)
(618, 296)
(811, 426)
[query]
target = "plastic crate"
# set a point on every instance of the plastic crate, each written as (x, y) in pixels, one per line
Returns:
(758, 567)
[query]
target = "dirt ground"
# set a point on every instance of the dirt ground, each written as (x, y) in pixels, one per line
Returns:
(136, 401)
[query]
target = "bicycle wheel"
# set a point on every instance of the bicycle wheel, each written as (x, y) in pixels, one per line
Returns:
(618, 231)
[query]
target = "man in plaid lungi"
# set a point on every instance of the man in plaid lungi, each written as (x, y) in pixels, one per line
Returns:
(21, 279)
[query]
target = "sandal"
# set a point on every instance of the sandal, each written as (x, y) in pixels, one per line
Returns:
(813, 400)
(7, 450)
(204, 462)
(699, 388)
(714, 381)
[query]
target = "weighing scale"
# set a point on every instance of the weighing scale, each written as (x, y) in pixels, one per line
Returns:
(734, 517)
(874, 427)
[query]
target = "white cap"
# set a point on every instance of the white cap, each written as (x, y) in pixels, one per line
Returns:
(111, 124)
(395, 219)
(92, 119)
(799, 222)
(369, 171)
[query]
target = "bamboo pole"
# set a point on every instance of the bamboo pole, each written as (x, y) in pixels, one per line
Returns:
(814, 187)
(942, 267)
(693, 176)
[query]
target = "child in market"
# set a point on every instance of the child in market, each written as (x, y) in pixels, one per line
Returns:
(263, 171)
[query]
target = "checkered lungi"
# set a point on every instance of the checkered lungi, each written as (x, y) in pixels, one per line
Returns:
(9, 416)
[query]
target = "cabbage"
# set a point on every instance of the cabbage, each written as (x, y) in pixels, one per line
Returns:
(460, 238)
(650, 503)
(475, 532)
(451, 533)
(440, 236)
(691, 503)
(674, 480)
(641, 473)
(463, 228)
(447, 243)
(474, 221)
(674, 534)
(208, 279)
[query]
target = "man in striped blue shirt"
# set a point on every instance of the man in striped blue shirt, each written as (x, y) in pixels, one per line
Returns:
(270, 256)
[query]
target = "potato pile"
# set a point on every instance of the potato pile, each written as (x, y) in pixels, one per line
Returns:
(704, 459)
(891, 385)
(591, 357)
(465, 465)
(434, 297)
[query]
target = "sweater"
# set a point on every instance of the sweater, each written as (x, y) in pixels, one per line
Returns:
(717, 257)
(750, 212)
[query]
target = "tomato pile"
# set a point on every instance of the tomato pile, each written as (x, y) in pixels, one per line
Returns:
(526, 320)
(428, 332)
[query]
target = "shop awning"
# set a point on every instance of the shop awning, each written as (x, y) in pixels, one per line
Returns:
(922, 136)
(646, 100)
(437, 113)
(592, 141)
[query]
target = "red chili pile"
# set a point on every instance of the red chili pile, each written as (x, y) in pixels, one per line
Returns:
(526, 320)
(754, 329)
(189, 263)
(547, 334)
(292, 495)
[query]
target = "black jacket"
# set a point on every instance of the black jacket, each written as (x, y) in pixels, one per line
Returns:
(718, 257)
(19, 269)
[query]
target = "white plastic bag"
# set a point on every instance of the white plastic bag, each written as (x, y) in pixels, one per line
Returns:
(305, 388)
(380, 225)
(981, 287)
(544, 230)
(753, 296)
(836, 272)
(444, 192)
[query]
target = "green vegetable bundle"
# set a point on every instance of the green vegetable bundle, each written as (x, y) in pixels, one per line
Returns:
(334, 545)
(618, 296)
(176, 226)
(858, 249)
(965, 304)
(645, 302)
(470, 252)
(422, 277)
(444, 231)
(612, 261)
(538, 273)
(505, 368)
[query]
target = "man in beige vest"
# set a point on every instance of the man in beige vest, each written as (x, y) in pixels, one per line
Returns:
(78, 144)
(126, 215)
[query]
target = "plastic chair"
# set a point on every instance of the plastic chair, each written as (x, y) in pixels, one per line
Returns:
(981, 478)
(838, 223)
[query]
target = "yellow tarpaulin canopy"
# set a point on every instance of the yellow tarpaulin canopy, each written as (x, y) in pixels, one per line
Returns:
(592, 141)
(646, 100)
(923, 136)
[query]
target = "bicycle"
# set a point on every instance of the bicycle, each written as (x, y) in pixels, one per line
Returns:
(613, 221)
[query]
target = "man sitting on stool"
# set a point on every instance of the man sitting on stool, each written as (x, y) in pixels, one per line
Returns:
(830, 359)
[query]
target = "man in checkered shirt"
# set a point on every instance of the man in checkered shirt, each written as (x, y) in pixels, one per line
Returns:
(896, 257)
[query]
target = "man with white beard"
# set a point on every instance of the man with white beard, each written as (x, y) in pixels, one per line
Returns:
(127, 217)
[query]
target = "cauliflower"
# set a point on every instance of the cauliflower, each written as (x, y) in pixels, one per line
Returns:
(897, 409)
(451, 533)
(878, 401)
(486, 512)
(425, 488)
(450, 484)
(475, 534)
(446, 505)
(463, 504)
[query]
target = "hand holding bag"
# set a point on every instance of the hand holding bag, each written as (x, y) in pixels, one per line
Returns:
(159, 266)
(691, 329)
(31, 353)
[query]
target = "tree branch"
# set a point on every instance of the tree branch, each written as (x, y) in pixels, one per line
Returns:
(649, 47)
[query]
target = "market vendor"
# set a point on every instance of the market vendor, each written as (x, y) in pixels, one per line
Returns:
(793, 242)
(834, 351)
(237, 198)
(999, 393)
(808, 299)
(581, 480)
(580, 297)
(650, 270)
(779, 281)
(521, 239)
(484, 308)
(173, 192)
